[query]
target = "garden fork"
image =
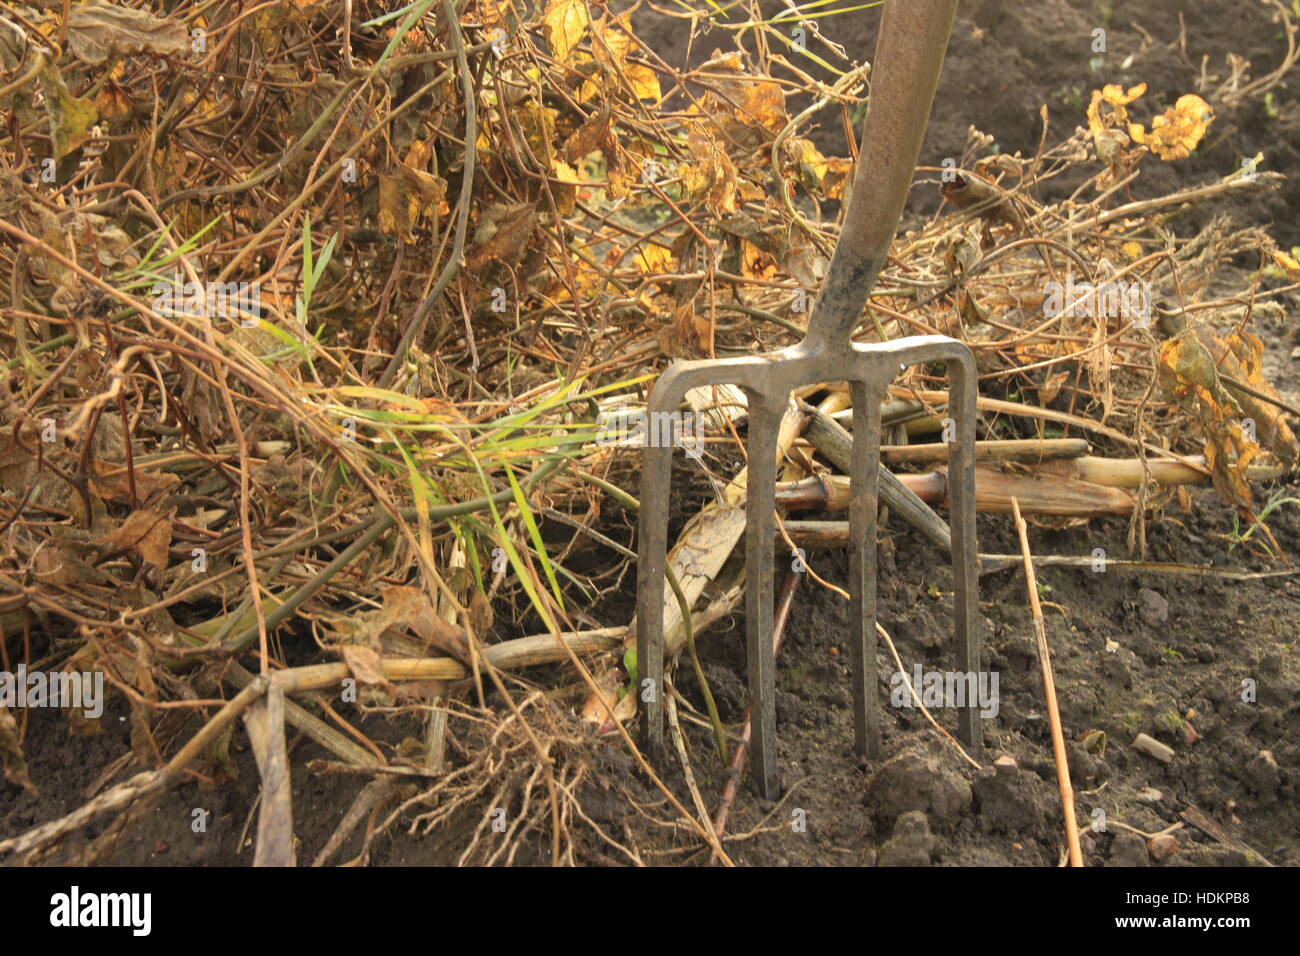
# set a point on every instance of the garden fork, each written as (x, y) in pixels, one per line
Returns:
(909, 56)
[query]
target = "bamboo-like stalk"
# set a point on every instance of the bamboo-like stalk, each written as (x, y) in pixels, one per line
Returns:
(993, 493)
(835, 442)
(1026, 450)
(521, 652)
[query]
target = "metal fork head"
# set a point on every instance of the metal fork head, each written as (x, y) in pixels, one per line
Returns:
(768, 381)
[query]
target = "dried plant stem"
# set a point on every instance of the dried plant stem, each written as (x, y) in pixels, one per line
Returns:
(1049, 691)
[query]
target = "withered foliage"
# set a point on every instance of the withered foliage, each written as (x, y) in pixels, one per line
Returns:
(307, 323)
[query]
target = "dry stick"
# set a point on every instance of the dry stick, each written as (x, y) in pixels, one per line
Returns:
(983, 404)
(311, 725)
(835, 534)
(1049, 690)
(740, 756)
(265, 724)
(689, 774)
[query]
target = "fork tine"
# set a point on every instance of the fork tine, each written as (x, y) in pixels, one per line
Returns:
(760, 527)
(863, 485)
(962, 391)
(656, 485)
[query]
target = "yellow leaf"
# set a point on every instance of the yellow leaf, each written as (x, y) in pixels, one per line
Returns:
(836, 177)
(612, 44)
(566, 21)
(566, 197)
(71, 117)
(755, 262)
(1132, 249)
(748, 108)
(1116, 95)
(712, 176)
(1287, 262)
(1178, 130)
(565, 173)
(810, 164)
(643, 80)
(1117, 98)
(652, 259)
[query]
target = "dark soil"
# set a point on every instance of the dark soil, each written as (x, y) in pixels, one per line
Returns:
(1120, 669)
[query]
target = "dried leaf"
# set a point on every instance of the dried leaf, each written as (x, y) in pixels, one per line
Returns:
(112, 482)
(503, 233)
(613, 40)
(366, 666)
(713, 176)
(97, 31)
(408, 607)
(71, 117)
(644, 81)
(1117, 98)
(566, 21)
(1052, 387)
(654, 260)
(146, 532)
(749, 109)
(836, 179)
(588, 137)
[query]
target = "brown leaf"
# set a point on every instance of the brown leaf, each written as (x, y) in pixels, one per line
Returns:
(588, 137)
(366, 666)
(1052, 387)
(480, 613)
(749, 109)
(408, 607)
(111, 482)
(146, 532)
(54, 566)
(503, 233)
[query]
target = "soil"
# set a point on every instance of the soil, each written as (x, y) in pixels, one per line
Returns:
(1133, 653)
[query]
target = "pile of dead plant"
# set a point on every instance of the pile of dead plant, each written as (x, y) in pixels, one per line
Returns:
(316, 315)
